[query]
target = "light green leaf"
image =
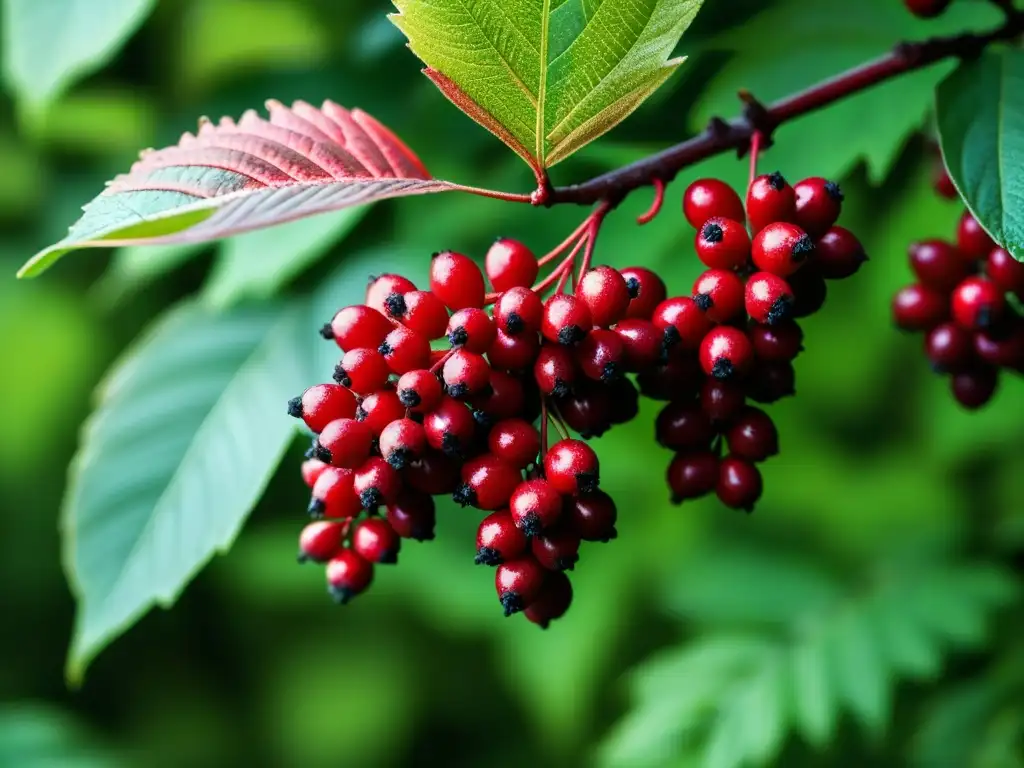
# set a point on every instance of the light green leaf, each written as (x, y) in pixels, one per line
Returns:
(137, 266)
(814, 704)
(860, 668)
(189, 427)
(980, 112)
(547, 76)
(36, 735)
(49, 45)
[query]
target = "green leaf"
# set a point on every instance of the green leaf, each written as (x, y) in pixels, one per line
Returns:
(189, 427)
(49, 45)
(980, 112)
(547, 76)
(41, 736)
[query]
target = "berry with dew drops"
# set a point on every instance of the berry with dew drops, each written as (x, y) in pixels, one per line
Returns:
(499, 539)
(606, 295)
(571, 466)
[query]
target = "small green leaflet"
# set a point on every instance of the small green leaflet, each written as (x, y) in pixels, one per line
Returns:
(546, 76)
(980, 112)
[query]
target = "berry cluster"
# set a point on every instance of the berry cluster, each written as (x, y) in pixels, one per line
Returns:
(436, 395)
(962, 303)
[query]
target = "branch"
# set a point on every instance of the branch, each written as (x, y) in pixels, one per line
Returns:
(721, 136)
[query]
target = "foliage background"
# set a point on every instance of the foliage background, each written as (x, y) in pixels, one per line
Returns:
(876, 589)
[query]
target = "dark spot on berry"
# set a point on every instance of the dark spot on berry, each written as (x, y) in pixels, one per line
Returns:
(780, 310)
(340, 595)
(395, 305)
(513, 324)
(451, 447)
(633, 286)
(295, 407)
(712, 233)
(612, 534)
(511, 603)
(458, 391)
(341, 376)
(371, 498)
(834, 191)
(487, 556)
(388, 558)
(400, 458)
(483, 418)
(385, 349)
(570, 335)
(723, 369)
(567, 563)
(410, 398)
(322, 453)
(531, 525)
(561, 389)
(985, 319)
(327, 332)
(464, 495)
(611, 373)
(587, 482)
(316, 509)
(670, 337)
(803, 248)
(776, 181)
(458, 337)
(703, 301)
(361, 414)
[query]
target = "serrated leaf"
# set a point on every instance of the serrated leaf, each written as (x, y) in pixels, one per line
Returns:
(980, 115)
(861, 672)
(188, 430)
(233, 177)
(814, 705)
(49, 45)
(546, 76)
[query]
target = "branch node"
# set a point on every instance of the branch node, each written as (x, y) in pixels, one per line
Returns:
(759, 120)
(541, 196)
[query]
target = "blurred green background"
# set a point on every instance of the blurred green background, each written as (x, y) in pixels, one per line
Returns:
(869, 613)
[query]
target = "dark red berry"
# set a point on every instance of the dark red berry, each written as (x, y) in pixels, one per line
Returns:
(973, 241)
(770, 382)
(362, 370)
(838, 254)
(472, 329)
(345, 443)
(646, 291)
(692, 475)
(518, 583)
(321, 404)
(552, 602)
(809, 291)
(348, 574)
(519, 310)
(739, 483)
(510, 264)
(723, 244)
(435, 474)
(625, 400)
(600, 355)
(770, 199)
(376, 482)
(571, 466)
(681, 322)
(333, 495)
(498, 540)
(379, 289)
(707, 198)
(588, 410)
(641, 344)
(753, 436)
(514, 441)
(975, 386)
(917, 308)
(465, 374)
(719, 293)
(456, 280)
(678, 378)
(311, 470)
(557, 549)
(978, 303)
(405, 350)
(487, 483)
(949, 347)
(726, 353)
(818, 205)
(566, 320)
(402, 441)
(592, 516)
(1005, 271)
(780, 342)
(722, 400)
(514, 353)
(380, 409)
(321, 540)
(376, 541)
(781, 248)
(942, 182)
(358, 326)
(535, 505)
(684, 426)
(420, 391)
(606, 295)
(938, 264)
(1003, 350)
(555, 370)
(504, 398)
(450, 427)
(412, 515)
(768, 298)
(926, 9)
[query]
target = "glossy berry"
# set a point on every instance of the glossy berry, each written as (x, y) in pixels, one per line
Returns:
(606, 295)
(646, 291)
(555, 370)
(420, 390)
(780, 342)
(684, 426)
(682, 322)
(552, 602)
(515, 441)
(567, 319)
(692, 475)
(588, 410)
(707, 198)
(752, 435)
(770, 382)
(942, 182)
(535, 505)
(321, 404)
(362, 370)
(376, 541)
(926, 9)
(838, 254)
(809, 291)
(978, 303)
(434, 473)
(505, 397)
(487, 483)
(973, 241)
(519, 310)
(723, 244)
(348, 574)
(379, 289)
(948, 347)
(320, 541)
(625, 400)
(465, 374)
(571, 466)
(938, 264)
(641, 343)
(601, 354)
(311, 470)
(677, 378)
(513, 353)
(510, 264)
(402, 441)
(1004, 349)
(770, 199)
(917, 308)
(471, 329)
(423, 312)
(412, 515)
(719, 293)
(450, 427)
(768, 298)
(380, 409)
(376, 482)
(739, 483)
(358, 326)
(518, 583)
(405, 350)
(498, 540)
(781, 248)
(592, 516)
(333, 496)
(557, 549)
(456, 280)
(1005, 271)
(818, 205)
(722, 400)
(345, 443)
(975, 386)
(726, 353)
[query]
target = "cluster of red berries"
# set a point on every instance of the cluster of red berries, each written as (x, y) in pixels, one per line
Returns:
(962, 303)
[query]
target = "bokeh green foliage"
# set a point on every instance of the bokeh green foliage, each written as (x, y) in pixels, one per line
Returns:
(869, 613)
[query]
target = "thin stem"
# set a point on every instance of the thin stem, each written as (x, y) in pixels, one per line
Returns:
(511, 197)
(556, 418)
(755, 152)
(560, 248)
(560, 270)
(440, 363)
(655, 209)
(543, 427)
(564, 277)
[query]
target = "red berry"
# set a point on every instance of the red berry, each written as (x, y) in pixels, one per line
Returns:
(838, 254)
(606, 295)
(973, 241)
(684, 426)
(471, 329)
(381, 288)
(722, 400)
(926, 9)
(519, 310)
(571, 466)
(719, 294)
(818, 204)
(646, 291)
(600, 355)
(938, 264)
(348, 574)
(739, 483)
(322, 404)
(770, 199)
(380, 409)
(592, 516)
(362, 370)
(515, 441)
(707, 198)
(681, 376)
(420, 391)
(420, 311)
(345, 443)
(588, 410)
(405, 350)
(513, 353)
(320, 541)
(504, 398)
(625, 400)
(510, 264)
(333, 495)
(402, 441)
(450, 427)
(723, 244)
(641, 343)
(518, 583)
(781, 248)
(692, 475)
(376, 541)
(555, 370)
(753, 436)
(770, 382)
(975, 386)
(552, 601)
(917, 308)
(456, 280)
(768, 298)
(949, 347)
(311, 470)
(726, 353)
(780, 342)
(487, 483)
(809, 291)
(942, 182)
(465, 374)
(435, 474)
(1005, 271)
(557, 549)
(978, 303)
(498, 540)
(1005, 350)
(376, 482)
(535, 505)
(358, 326)
(412, 515)
(566, 320)
(687, 322)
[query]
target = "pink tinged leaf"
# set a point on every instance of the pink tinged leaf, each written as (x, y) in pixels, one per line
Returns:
(231, 177)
